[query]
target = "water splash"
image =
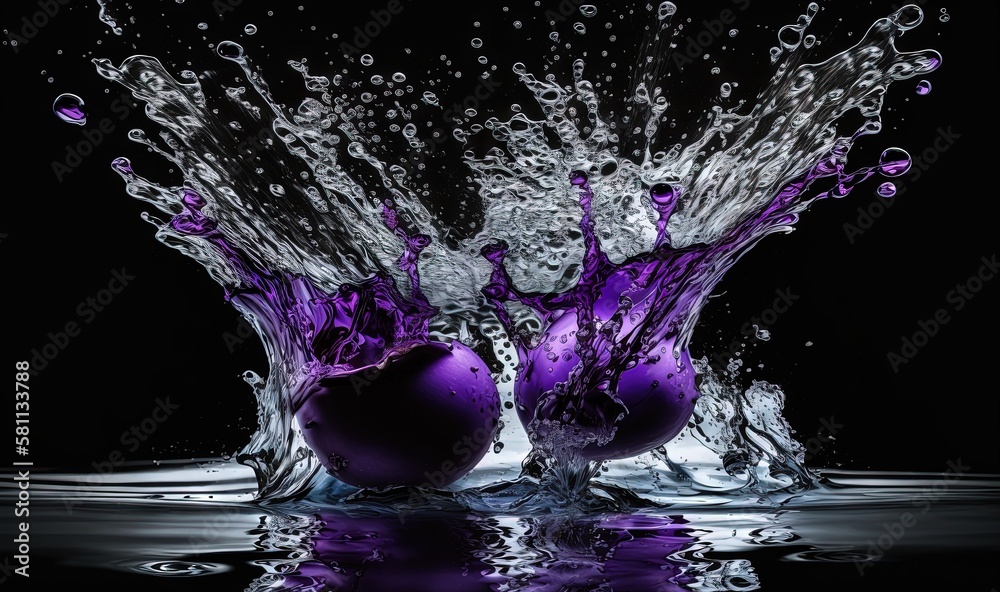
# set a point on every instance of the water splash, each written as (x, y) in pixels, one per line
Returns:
(584, 222)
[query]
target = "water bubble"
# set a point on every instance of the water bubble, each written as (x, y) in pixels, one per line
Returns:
(725, 90)
(734, 32)
(945, 17)
(399, 77)
(377, 80)
(230, 50)
(662, 194)
(203, 26)
(887, 189)
(367, 60)
(894, 162)
(716, 70)
(250, 29)
(923, 87)
(588, 10)
(122, 165)
(277, 190)
(580, 28)
(577, 177)
(554, 36)
(790, 36)
(908, 17)
(477, 42)
(666, 9)
(70, 108)
(517, 24)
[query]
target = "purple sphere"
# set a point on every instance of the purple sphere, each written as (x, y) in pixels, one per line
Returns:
(659, 398)
(425, 419)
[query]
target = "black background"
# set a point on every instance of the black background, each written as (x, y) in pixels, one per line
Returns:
(163, 336)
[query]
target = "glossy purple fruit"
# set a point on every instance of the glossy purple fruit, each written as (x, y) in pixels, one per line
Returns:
(659, 395)
(426, 419)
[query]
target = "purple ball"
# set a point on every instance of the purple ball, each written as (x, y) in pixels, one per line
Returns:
(425, 419)
(659, 397)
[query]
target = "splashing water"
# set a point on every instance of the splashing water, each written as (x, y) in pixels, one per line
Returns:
(595, 253)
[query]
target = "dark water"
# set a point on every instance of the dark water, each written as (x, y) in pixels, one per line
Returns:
(856, 530)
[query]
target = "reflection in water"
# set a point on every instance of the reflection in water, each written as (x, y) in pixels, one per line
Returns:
(455, 542)
(550, 553)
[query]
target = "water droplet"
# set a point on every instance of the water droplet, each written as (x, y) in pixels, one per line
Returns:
(725, 90)
(734, 32)
(887, 189)
(945, 17)
(923, 87)
(367, 60)
(580, 28)
(588, 10)
(122, 165)
(894, 162)
(377, 80)
(203, 26)
(577, 178)
(477, 42)
(498, 447)
(250, 29)
(230, 50)
(666, 9)
(399, 77)
(662, 194)
(70, 108)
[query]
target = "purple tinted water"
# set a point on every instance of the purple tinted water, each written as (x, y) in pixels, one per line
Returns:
(592, 263)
